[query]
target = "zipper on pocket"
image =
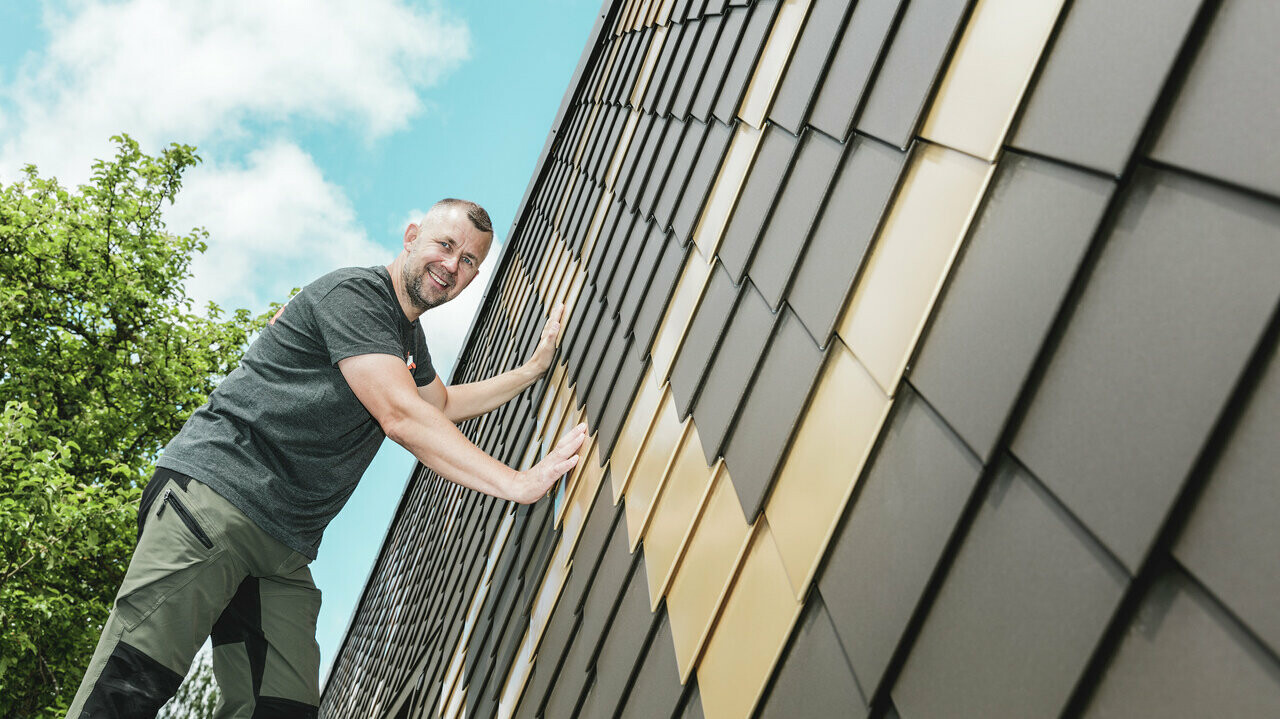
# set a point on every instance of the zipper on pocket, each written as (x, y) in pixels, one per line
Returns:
(185, 515)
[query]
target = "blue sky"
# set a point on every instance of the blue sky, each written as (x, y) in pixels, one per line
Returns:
(324, 126)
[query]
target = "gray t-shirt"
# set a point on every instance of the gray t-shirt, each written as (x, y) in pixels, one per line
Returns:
(283, 437)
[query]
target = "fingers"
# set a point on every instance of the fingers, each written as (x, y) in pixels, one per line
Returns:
(552, 327)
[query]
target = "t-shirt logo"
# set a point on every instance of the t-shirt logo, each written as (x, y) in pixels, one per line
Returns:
(279, 312)
(408, 360)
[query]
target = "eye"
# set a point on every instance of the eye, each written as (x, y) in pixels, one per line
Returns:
(444, 244)
(467, 260)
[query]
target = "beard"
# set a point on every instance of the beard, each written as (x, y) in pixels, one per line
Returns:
(413, 288)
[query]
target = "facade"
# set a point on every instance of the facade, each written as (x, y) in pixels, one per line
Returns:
(928, 349)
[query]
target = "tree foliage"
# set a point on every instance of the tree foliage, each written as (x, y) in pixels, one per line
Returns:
(198, 695)
(102, 358)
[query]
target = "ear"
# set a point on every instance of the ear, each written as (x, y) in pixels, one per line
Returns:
(410, 234)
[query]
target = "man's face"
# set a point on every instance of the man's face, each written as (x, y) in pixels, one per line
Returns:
(443, 258)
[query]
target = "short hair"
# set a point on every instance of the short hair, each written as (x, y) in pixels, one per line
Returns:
(475, 212)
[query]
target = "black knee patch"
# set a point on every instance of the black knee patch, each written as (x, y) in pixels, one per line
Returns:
(241, 621)
(277, 708)
(132, 684)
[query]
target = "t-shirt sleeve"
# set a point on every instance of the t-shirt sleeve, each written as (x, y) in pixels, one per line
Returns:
(424, 373)
(352, 320)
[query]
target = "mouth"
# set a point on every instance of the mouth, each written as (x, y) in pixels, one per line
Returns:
(438, 280)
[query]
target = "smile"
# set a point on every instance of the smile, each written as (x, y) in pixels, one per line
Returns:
(438, 280)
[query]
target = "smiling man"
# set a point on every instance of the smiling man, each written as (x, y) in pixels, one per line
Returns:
(241, 497)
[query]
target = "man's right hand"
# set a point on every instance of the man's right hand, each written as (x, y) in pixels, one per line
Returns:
(533, 484)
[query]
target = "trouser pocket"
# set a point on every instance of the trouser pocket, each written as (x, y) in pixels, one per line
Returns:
(175, 549)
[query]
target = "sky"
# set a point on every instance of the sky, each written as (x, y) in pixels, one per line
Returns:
(324, 128)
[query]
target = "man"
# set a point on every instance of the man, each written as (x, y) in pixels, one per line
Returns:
(240, 498)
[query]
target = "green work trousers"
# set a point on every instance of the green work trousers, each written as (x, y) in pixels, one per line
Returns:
(203, 569)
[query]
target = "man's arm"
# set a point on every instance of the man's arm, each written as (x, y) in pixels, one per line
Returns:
(384, 386)
(464, 401)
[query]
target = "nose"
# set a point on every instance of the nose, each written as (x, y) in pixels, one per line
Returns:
(451, 263)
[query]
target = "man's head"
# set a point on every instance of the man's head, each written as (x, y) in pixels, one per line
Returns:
(443, 252)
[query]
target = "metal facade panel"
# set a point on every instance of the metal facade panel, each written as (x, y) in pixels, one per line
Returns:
(1231, 542)
(814, 680)
(804, 74)
(1186, 657)
(750, 634)
(1130, 396)
(773, 61)
(673, 188)
(701, 176)
(731, 371)
(911, 258)
(674, 511)
(893, 538)
(658, 295)
(755, 201)
(1101, 79)
(750, 44)
(1223, 122)
(702, 338)
(858, 199)
(651, 467)
(711, 557)
(1018, 615)
(916, 56)
(717, 64)
(1024, 249)
(698, 70)
(657, 689)
(860, 46)
(621, 649)
(988, 74)
(771, 411)
(787, 232)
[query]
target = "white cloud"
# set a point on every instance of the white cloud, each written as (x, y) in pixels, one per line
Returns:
(195, 72)
(274, 223)
(413, 216)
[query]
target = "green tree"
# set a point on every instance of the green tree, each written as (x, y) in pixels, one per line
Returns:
(102, 359)
(198, 695)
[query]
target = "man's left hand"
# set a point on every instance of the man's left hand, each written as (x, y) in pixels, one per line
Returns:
(546, 348)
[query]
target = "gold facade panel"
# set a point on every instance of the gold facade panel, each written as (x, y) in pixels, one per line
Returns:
(593, 231)
(652, 17)
(549, 399)
(829, 450)
(749, 635)
(646, 73)
(651, 466)
(562, 268)
(988, 74)
(574, 291)
(664, 12)
(581, 474)
(564, 200)
(672, 518)
(675, 323)
(632, 434)
(620, 150)
(715, 547)
(549, 591)
(581, 501)
(910, 259)
(724, 193)
(773, 62)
